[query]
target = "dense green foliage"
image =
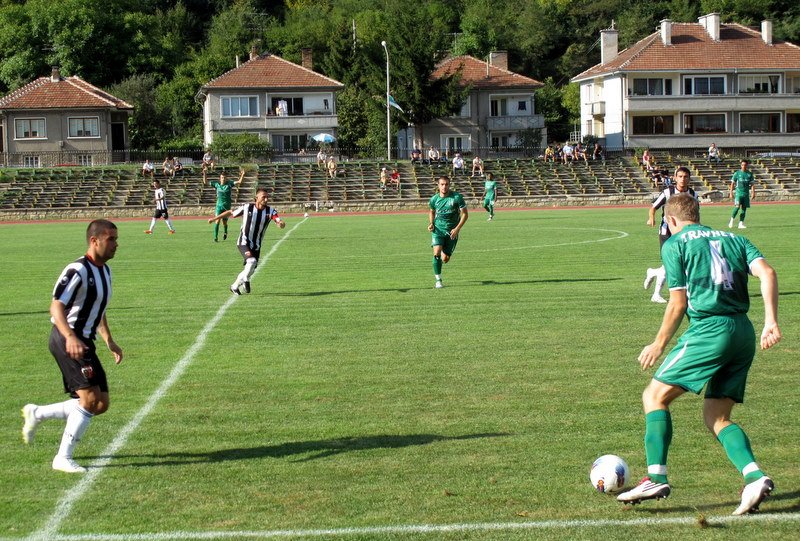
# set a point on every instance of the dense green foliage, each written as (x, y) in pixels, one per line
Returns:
(345, 391)
(157, 53)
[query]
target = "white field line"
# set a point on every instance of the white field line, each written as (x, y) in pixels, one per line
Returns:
(64, 506)
(424, 528)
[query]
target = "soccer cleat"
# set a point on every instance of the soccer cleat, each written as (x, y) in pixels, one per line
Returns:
(247, 287)
(742, 226)
(651, 275)
(216, 240)
(148, 232)
(31, 422)
(439, 284)
(658, 299)
(235, 290)
(753, 494)
(490, 219)
(171, 231)
(225, 236)
(730, 223)
(645, 490)
(67, 465)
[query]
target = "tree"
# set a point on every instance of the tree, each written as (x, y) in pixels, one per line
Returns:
(148, 124)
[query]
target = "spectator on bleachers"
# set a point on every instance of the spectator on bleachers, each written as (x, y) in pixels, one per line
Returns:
(394, 178)
(416, 156)
(597, 153)
(458, 164)
(713, 153)
(549, 154)
(331, 167)
(169, 167)
(558, 153)
(178, 166)
(477, 165)
(568, 153)
(433, 155)
(208, 161)
(646, 159)
(148, 169)
(384, 178)
(322, 159)
(579, 152)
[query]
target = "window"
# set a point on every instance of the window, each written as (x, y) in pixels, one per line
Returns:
(703, 85)
(84, 127)
(30, 161)
(455, 144)
(704, 124)
(500, 143)
(84, 159)
(759, 84)
(792, 122)
(652, 87)
(294, 106)
(240, 106)
(294, 143)
(30, 128)
(499, 107)
(760, 122)
(793, 85)
(522, 105)
(653, 125)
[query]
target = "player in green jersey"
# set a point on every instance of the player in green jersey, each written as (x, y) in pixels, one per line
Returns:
(223, 189)
(745, 185)
(709, 268)
(489, 195)
(447, 215)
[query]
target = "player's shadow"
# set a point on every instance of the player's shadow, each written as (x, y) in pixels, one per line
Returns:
(315, 449)
(770, 505)
(469, 284)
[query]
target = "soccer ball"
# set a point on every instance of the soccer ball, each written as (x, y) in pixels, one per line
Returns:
(609, 473)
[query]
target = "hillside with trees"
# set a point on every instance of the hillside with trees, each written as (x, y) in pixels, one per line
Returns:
(157, 53)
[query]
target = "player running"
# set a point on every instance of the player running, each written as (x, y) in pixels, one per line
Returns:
(160, 198)
(223, 189)
(745, 185)
(448, 213)
(489, 195)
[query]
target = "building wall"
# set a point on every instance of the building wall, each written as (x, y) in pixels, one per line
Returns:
(57, 131)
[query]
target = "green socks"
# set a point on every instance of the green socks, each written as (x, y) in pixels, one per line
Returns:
(437, 265)
(737, 447)
(657, 437)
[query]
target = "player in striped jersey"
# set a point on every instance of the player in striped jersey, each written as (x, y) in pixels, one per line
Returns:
(160, 197)
(78, 313)
(681, 185)
(255, 219)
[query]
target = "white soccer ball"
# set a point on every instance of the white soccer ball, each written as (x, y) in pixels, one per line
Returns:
(609, 474)
(305, 215)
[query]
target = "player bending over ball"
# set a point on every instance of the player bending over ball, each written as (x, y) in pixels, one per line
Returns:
(710, 267)
(255, 219)
(447, 215)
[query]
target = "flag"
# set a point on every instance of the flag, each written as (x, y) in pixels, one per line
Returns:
(394, 104)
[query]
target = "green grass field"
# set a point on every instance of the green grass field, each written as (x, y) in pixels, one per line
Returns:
(345, 398)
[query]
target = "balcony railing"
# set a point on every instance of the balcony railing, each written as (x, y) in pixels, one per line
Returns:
(313, 121)
(515, 122)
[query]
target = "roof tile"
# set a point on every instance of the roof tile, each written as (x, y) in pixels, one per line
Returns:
(476, 73)
(65, 93)
(270, 71)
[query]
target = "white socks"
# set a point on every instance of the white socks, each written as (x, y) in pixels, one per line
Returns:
(152, 224)
(661, 277)
(59, 410)
(249, 268)
(77, 423)
(169, 224)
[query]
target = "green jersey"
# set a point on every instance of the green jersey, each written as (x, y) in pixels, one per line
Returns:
(447, 210)
(490, 187)
(713, 267)
(744, 181)
(223, 193)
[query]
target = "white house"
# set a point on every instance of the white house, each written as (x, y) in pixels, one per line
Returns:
(273, 98)
(690, 84)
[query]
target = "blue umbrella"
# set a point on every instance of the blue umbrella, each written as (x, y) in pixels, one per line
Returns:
(323, 138)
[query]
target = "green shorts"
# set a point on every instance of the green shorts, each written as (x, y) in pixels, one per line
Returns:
(222, 208)
(741, 201)
(439, 238)
(716, 353)
(488, 201)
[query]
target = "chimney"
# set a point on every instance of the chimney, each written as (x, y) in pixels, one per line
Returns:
(55, 74)
(766, 32)
(238, 61)
(666, 32)
(253, 52)
(711, 23)
(499, 59)
(308, 58)
(609, 44)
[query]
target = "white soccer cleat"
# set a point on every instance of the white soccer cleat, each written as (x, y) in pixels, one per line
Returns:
(235, 289)
(742, 226)
(730, 223)
(651, 275)
(31, 422)
(67, 465)
(658, 299)
(439, 284)
(753, 494)
(645, 490)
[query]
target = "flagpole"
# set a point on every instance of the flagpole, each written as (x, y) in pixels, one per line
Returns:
(388, 112)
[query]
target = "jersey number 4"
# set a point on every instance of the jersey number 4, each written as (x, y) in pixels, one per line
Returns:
(720, 269)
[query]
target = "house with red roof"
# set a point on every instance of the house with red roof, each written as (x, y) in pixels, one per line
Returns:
(55, 120)
(499, 106)
(282, 102)
(688, 85)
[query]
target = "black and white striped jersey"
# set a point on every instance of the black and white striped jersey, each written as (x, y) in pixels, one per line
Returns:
(161, 199)
(84, 289)
(661, 201)
(254, 224)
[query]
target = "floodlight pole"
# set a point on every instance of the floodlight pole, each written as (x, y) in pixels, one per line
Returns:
(388, 112)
